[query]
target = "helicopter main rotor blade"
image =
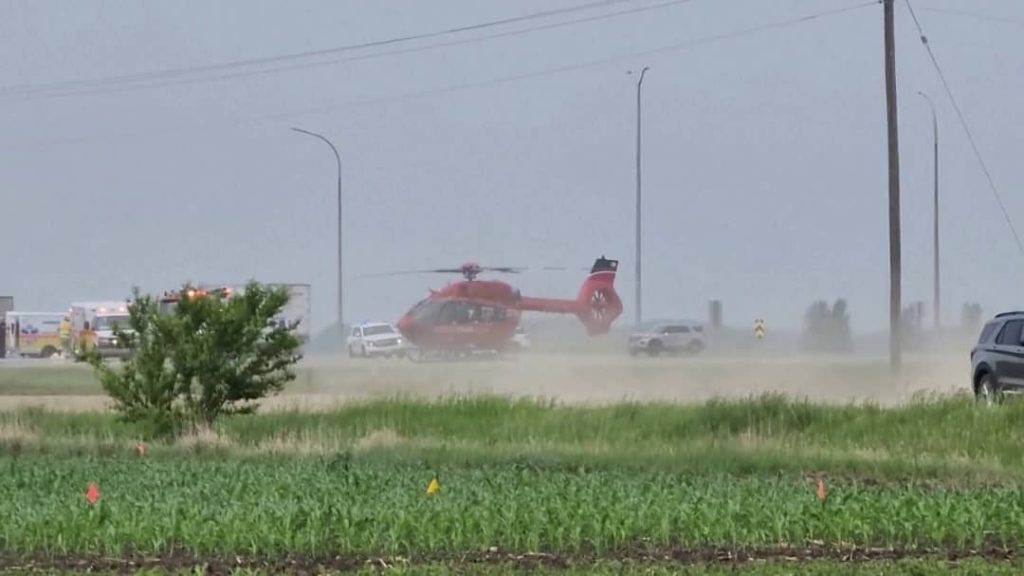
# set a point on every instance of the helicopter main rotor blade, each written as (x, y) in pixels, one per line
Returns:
(408, 272)
(477, 269)
(501, 270)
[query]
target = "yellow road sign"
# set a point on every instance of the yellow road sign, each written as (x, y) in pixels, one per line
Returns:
(759, 329)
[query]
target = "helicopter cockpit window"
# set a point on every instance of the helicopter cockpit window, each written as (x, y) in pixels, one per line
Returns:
(449, 313)
(492, 314)
(460, 313)
(427, 311)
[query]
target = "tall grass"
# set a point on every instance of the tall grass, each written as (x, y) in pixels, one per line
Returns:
(948, 437)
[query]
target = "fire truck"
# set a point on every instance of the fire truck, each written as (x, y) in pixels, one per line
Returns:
(296, 310)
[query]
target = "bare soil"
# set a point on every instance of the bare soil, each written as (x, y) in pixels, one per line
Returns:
(180, 560)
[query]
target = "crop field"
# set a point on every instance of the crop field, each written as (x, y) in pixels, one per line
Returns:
(767, 485)
(330, 505)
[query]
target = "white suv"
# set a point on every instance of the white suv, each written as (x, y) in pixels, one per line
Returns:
(375, 339)
(681, 338)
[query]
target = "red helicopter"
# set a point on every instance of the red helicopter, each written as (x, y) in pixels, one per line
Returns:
(471, 314)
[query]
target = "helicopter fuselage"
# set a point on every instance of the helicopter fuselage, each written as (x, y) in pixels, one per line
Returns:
(484, 314)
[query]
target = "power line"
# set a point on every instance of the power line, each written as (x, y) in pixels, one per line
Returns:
(963, 124)
(177, 72)
(750, 31)
(308, 65)
(588, 64)
(974, 15)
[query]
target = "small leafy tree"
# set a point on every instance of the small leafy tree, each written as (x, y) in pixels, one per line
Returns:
(827, 328)
(912, 325)
(210, 355)
(144, 389)
(970, 317)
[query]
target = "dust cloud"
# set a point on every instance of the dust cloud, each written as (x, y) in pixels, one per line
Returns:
(601, 375)
(604, 379)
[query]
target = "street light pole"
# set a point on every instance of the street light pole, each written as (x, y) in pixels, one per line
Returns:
(639, 293)
(337, 157)
(935, 222)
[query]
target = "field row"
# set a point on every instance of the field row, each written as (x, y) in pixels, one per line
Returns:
(319, 506)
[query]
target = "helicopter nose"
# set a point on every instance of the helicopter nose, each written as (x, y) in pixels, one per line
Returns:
(405, 326)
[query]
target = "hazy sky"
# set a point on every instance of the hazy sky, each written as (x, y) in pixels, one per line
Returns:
(765, 178)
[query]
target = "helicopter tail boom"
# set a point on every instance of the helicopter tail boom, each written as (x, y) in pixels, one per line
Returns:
(597, 305)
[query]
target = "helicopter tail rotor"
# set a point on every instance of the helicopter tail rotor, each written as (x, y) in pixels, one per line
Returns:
(599, 304)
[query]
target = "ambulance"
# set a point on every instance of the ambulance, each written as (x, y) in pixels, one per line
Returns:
(33, 334)
(92, 325)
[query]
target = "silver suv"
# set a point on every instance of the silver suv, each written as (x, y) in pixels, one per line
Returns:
(672, 338)
(997, 360)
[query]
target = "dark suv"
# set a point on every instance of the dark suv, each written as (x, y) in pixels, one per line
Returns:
(997, 360)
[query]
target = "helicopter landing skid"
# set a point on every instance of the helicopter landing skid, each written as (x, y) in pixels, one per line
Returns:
(454, 355)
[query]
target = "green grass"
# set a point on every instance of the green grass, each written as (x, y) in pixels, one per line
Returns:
(950, 439)
(59, 379)
(331, 505)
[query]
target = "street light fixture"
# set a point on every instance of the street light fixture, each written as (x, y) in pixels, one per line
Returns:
(341, 325)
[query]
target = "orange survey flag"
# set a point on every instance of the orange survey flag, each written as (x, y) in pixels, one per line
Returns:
(92, 494)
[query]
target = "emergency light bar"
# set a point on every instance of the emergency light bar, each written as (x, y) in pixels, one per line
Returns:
(192, 293)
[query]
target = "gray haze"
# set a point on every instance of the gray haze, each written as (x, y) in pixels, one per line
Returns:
(764, 155)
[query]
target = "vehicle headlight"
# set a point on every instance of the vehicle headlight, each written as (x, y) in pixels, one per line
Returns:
(370, 343)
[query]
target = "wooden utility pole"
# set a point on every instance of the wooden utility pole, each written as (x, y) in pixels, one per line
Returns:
(894, 190)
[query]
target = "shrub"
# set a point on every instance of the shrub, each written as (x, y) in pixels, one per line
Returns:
(211, 354)
(827, 329)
